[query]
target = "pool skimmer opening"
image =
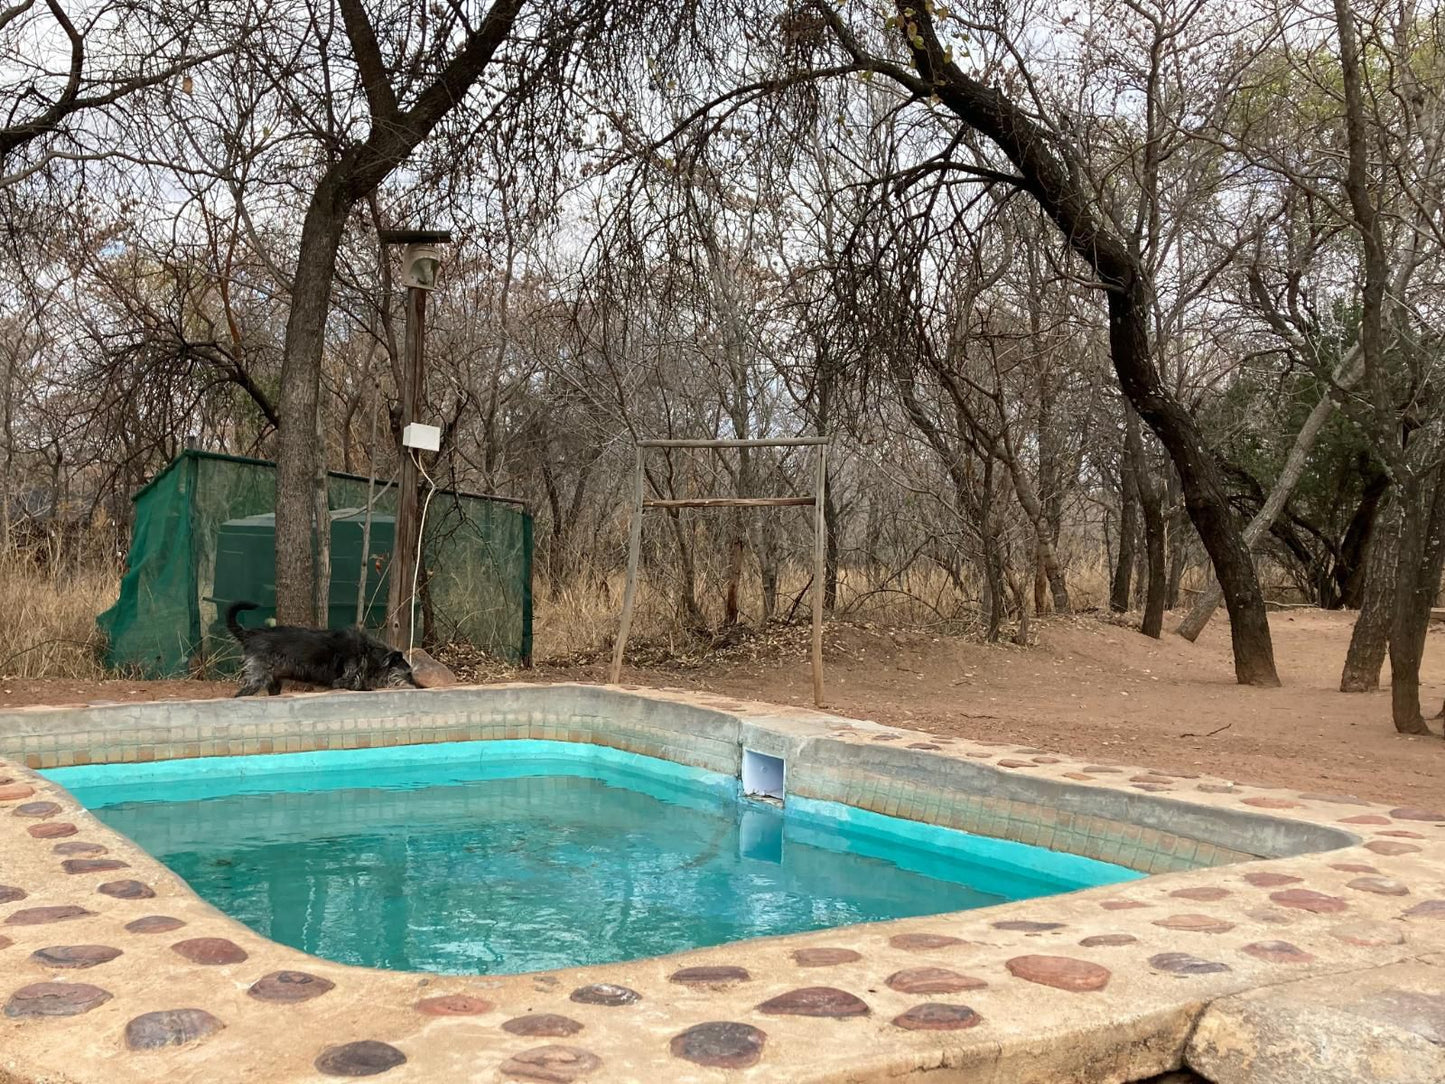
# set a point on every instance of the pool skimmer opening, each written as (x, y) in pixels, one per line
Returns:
(763, 776)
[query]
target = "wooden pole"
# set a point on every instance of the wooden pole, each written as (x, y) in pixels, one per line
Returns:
(819, 548)
(406, 546)
(629, 592)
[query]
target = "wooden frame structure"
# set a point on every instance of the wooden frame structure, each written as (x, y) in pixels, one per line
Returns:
(640, 504)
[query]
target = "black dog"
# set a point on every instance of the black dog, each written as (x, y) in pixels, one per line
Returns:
(338, 658)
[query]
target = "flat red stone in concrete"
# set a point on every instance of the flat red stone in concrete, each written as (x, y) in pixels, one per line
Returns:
(605, 993)
(210, 951)
(1390, 847)
(1010, 762)
(13, 792)
(1079, 776)
(1400, 833)
(552, 1064)
(454, 1005)
(1353, 867)
(170, 1027)
(923, 942)
(825, 956)
(923, 745)
(1265, 879)
(720, 1044)
(1060, 972)
(1427, 909)
(77, 846)
(92, 865)
(1368, 934)
(1101, 769)
(74, 957)
(35, 916)
(937, 1016)
(1184, 963)
(53, 830)
(1380, 886)
(127, 890)
(1414, 813)
(55, 999)
(1270, 915)
(289, 987)
(365, 1058)
(1271, 803)
(715, 975)
(154, 924)
(1195, 923)
(1121, 905)
(1150, 777)
(1202, 894)
(11, 893)
(1306, 899)
(815, 1001)
(37, 809)
(1278, 952)
(542, 1025)
(1108, 940)
(1365, 818)
(932, 980)
(1152, 788)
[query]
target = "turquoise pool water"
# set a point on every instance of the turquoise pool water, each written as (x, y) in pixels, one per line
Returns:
(512, 856)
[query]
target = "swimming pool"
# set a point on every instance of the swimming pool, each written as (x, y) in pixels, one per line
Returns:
(525, 855)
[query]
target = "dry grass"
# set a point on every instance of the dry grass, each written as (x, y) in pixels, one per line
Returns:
(47, 616)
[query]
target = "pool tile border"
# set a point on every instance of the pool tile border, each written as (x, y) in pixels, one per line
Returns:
(1252, 887)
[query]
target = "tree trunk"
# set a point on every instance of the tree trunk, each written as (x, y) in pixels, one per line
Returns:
(297, 453)
(1043, 541)
(1417, 581)
(1153, 509)
(1345, 374)
(1370, 639)
(322, 516)
(1128, 519)
(1349, 570)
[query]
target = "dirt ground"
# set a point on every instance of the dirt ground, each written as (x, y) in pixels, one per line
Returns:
(1089, 689)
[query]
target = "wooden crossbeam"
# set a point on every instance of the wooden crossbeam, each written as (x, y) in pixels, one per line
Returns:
(729, 502)
(764, 442)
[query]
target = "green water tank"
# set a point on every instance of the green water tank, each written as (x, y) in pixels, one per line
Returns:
(246, 567)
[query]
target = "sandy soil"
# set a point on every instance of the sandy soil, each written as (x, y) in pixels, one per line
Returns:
(1089, 689)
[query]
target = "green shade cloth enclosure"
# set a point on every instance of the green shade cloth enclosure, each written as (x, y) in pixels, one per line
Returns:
(203, 537)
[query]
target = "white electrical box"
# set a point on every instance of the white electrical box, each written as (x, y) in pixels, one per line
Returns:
(425, 438)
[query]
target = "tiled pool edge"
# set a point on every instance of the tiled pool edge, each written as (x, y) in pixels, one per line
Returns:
(958, 788)
(1041, 1019)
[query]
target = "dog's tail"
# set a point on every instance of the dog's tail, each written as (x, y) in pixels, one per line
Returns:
(235, 626)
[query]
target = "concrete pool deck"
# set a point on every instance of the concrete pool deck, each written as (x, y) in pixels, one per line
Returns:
(1282, 936)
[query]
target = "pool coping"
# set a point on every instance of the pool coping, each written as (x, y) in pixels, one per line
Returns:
(1044, 1007)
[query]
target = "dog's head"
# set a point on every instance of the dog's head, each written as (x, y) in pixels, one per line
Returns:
(392, 671)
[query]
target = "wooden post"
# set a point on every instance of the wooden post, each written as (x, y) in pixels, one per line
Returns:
(406, 546)
(819, 549)
(634, 552)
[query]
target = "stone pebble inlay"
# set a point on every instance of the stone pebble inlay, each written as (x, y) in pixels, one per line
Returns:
(937, 1016)
(75, 957)
(364, 1058)
(720, 1044)
(815, 1001)
(170, 1027)
(55, 999)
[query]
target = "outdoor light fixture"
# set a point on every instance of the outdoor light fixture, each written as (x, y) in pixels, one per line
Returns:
(421, 257)
(420, 263)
